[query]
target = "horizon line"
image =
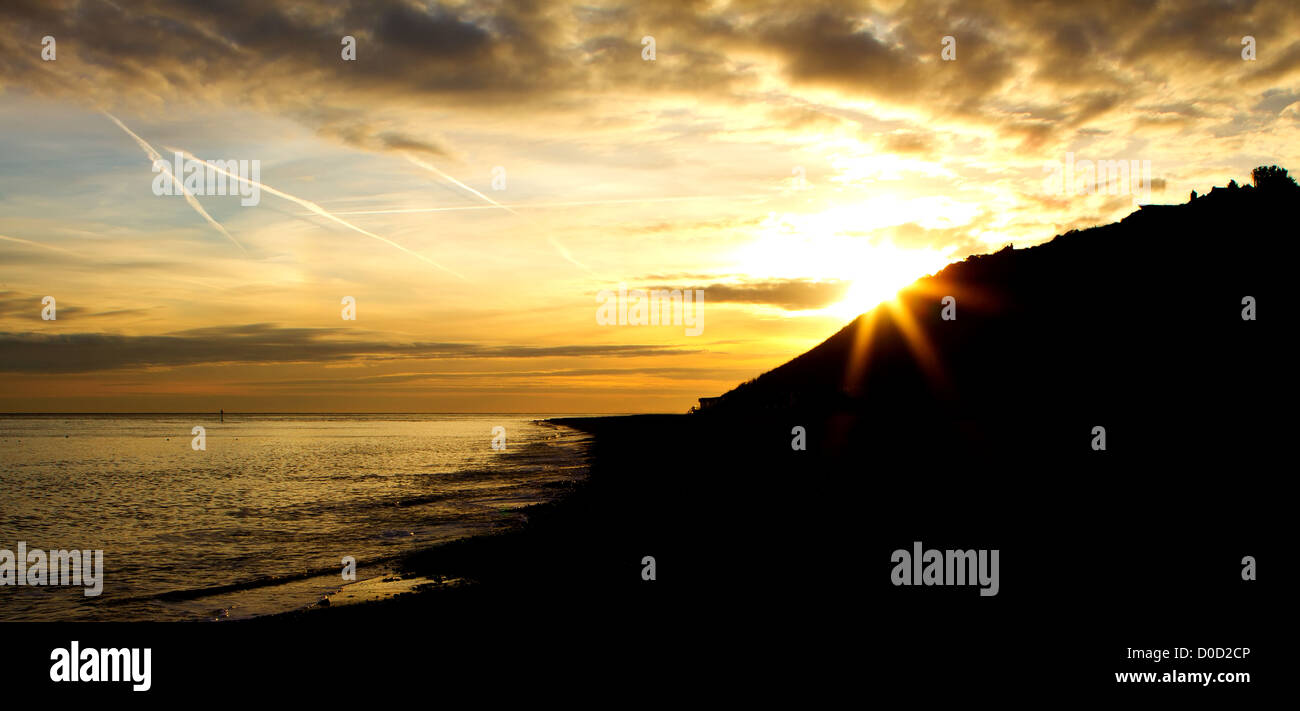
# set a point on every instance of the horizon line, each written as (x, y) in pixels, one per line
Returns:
(331, 412)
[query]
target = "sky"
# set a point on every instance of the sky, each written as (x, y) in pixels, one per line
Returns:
(481, 176)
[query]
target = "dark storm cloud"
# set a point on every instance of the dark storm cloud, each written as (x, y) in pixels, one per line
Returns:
(256, 343)
(1080, 61)
(829, 48)
(1279, 65)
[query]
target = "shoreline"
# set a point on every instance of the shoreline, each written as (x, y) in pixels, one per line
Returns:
(437, 499)
(486, 568)
(407, 574)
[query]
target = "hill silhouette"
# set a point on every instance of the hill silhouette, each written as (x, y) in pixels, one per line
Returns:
(1136, 326)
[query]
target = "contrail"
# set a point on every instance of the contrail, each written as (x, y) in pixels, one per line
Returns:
(154, 156)
(565, 253)
(427, 166)
(37, 244)
(494, 206)
(554, 242)
(317, 209)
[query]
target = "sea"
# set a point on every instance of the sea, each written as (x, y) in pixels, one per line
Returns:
(261, 518)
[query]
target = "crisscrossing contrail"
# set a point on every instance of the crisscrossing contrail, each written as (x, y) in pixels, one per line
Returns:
(317, 209)
(155, 157)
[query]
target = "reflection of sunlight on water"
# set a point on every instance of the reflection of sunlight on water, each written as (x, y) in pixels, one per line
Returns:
(318, 591)
(272, 496)
(383, 588)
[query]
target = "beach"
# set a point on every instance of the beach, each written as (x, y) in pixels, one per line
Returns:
(656, 487)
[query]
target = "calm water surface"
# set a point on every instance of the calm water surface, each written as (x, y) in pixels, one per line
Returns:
(266, 512)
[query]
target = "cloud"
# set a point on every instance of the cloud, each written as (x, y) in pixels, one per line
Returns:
(361, 134)
(28, 307)
(499, 375)
(790, 294)
(565, 56)
(257, 343)
(907, 142)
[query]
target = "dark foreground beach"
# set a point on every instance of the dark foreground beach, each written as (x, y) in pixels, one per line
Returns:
(773, 575)
(764, 553)
(582, 553)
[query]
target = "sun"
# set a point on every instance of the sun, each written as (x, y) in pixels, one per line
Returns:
(880, 272)
(817, 247)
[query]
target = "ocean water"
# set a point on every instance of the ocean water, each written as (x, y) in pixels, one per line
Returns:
(259, 521)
